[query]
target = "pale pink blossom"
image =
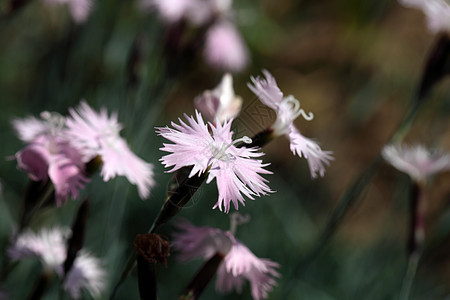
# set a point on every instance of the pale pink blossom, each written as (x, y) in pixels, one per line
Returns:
(79, 9)
(437, 13)
(416, 161)
(86, 273)
(199, 242)
(239, 264)
(220, 103)
(50, 247)
(288, 109)
(50, 155)
(98, 134)
(224, 48)
(196, 12)
(170, 11)
(236, 171)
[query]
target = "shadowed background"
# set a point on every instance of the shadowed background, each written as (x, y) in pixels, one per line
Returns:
(354, 64)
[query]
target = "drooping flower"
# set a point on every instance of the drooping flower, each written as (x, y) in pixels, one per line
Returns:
(417, 161)
(220, 103)
(50, 154)
(50, 247)
(235, 169)
(436, 11)
(79, 9)
(239, 262)
(224, 48)
(98, 134)
(288, 109)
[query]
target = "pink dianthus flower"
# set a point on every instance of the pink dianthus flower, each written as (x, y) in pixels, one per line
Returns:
(288, 109)
(50, 154)
(98, 134)
(239, 262)
(236, 171)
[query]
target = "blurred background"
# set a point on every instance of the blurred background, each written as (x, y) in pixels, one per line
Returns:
(354, 64)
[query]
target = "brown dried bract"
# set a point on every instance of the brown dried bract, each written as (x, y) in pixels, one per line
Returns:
(152, 247)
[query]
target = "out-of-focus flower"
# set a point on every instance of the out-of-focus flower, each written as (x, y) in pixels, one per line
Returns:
(3, 295)
(98, 134)
(288, 109)
(235, 170)
(224, 48)
(197, 12)
(239, 263)
(170, 11)
(50, 154)
(436, 11)
(199, 242)
(79, 9)
(50, 247)
(417, 161)
(86, 273)
(220, 103)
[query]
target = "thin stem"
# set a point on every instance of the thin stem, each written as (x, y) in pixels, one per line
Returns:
(416, 237)
(409, 276)
(350, 198)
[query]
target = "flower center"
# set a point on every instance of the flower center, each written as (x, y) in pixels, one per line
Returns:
(54, 121)
(219, 152)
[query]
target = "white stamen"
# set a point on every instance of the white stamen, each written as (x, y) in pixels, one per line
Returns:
(220, 153)
(296, 110)
(54, 120)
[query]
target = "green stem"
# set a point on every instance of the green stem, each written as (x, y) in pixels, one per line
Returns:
(350, 197)
(409, 276)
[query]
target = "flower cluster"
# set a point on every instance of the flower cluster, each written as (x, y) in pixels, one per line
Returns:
(49, 246)
(236, 170)
(436, 11)
(418, 162)
(59, 149)
(224, 47)
(49, 154)
(288, 109)
(239, 264)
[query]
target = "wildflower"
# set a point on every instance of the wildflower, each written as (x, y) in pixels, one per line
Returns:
(220, 103)
(49, 246)
(199, 242)
(50, 154)
(79, 9)
(288, 109)
(97, 134)
(196, 12)
(86, 273)
(235, 170)
(436, 11)
(239, 262)
(171, 11)
(418, 162)
(224, 48)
